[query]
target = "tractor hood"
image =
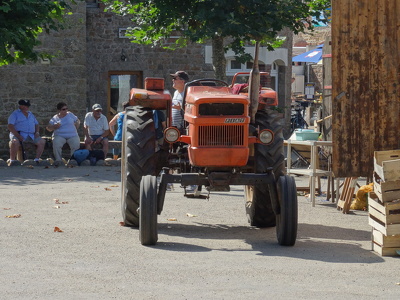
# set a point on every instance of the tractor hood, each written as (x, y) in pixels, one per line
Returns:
(206, 94)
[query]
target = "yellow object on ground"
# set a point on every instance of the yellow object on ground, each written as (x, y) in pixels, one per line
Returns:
(361, 200)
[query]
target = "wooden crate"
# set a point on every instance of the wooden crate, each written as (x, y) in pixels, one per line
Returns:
(391, 241)
(386, 190)
(386, 229)
(384, 217)
(387, 164)
(387, 213)
(385, 245)
(385, 251)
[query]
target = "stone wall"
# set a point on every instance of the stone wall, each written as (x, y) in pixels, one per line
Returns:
(46, 84)
(104, 50)
(311, 38)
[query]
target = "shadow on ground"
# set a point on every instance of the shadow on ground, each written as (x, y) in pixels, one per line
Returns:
(314, 242)
(22, 175)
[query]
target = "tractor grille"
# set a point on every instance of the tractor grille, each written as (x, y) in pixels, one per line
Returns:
(221, 135)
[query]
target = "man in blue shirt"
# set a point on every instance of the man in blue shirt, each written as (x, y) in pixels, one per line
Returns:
(24, 127)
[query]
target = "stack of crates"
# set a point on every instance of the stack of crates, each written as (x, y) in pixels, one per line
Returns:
(384, 203)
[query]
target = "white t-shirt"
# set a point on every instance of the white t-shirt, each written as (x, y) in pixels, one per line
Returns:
(67, 129)
(177, 119)
(96, 127)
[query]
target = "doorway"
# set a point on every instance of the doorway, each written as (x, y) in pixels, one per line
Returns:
(119, 85)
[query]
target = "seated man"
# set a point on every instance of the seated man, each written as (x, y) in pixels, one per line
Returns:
(96, 129)
(24, 127)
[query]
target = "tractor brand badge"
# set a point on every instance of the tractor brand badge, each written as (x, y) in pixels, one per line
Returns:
(234, 120)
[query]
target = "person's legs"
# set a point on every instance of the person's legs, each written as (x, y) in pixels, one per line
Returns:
(58, 143)
(14, 147)
(88, 144)
(40, 143)
(105, 147)
(74, 144)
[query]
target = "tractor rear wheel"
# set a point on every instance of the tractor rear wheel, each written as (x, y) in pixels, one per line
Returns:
(148, 211)
(286, 220)
(138, 159)
(258, 200)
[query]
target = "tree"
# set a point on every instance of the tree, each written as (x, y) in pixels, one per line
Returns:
(21, 22)
(227, 23)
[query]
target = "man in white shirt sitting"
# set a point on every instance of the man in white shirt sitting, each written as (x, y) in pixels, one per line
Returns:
(96, 129)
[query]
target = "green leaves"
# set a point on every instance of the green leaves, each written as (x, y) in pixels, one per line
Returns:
(237, 22)
(21, 21)
(242, 21)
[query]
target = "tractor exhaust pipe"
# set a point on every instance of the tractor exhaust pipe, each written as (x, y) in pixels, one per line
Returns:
(254, 85)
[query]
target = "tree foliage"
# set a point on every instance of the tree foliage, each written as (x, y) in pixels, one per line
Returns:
(242, 21)
(236, 22)
(21, 21)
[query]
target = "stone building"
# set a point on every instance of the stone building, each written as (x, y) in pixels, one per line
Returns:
(95, 63)
(306, 41)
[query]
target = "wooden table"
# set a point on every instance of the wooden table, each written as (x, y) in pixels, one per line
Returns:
(313, 172)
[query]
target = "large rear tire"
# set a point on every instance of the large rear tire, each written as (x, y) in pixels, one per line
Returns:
(148, 211)
(287, 219)
(258, 200)
(138, 159)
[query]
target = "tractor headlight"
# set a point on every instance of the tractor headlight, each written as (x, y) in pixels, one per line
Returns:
(266, 136)
(171, 135)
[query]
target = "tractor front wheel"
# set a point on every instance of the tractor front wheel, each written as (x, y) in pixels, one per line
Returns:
(148, 211)
(286, 220)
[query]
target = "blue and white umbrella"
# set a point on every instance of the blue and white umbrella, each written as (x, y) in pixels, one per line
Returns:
(312, 56)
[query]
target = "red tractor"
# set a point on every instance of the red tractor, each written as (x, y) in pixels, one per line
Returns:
(227, 141)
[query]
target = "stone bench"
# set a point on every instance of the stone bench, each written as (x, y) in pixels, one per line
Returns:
(30, 149)
(111, 145)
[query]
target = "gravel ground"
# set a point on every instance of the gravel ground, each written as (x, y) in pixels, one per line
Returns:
(211, 254)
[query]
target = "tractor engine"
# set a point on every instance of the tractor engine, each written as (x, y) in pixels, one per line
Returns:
(217, 128)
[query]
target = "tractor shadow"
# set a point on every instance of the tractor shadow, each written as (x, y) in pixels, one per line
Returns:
(314, 242)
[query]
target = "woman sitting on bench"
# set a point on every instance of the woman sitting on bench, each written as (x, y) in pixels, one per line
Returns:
(65, 125)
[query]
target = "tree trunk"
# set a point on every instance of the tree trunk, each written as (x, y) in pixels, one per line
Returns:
(254, 85)
(218, 58)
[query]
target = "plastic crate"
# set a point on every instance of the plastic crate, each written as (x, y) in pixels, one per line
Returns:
(306, 135)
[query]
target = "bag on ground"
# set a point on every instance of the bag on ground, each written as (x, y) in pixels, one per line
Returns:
(80, 155)
(95, 156)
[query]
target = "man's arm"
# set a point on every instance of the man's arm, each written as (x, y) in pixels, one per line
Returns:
(86, 132)
(77, 123)
(105, 133)
(106, 128)
(112, 124)
(37, 133)
(12, 129)
(176, 106)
